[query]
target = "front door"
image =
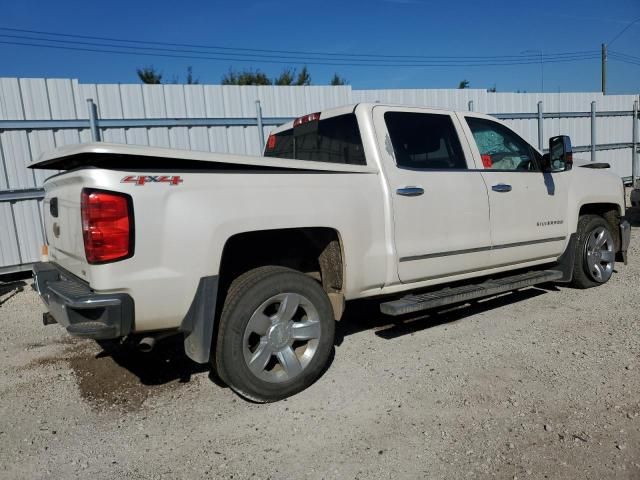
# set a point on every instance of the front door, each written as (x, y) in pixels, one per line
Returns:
(440, 206)
(528, 206)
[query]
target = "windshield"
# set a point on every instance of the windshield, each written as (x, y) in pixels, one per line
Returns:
(335, 140)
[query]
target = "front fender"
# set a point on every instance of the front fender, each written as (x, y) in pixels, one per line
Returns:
(592, 188)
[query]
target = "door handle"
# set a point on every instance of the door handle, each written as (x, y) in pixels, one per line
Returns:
(501, 187)
(410, 191)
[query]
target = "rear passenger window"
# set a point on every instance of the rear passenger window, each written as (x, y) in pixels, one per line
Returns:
(424, 141)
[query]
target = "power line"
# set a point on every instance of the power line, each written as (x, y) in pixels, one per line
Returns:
(338, 62)
(286, 52)
(294, 59)
(626, 55)
(603, 58)
(623, 59)
(622, 31)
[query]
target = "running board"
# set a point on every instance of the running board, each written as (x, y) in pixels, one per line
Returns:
(448, 296)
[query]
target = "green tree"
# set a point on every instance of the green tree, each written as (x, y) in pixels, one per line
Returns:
(304, 77)
(245, 77)
(285, 78)
(230, 78)
(190, 79)
(463, 84)
(149, 75)
(492, 89)
(338, 80)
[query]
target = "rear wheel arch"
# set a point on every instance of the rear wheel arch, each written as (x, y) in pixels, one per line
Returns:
(315, 251)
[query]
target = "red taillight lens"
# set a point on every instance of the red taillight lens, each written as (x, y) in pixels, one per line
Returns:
(107, 226)
(271, 143)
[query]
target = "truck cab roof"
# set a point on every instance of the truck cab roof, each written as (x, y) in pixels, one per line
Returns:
(351, 108)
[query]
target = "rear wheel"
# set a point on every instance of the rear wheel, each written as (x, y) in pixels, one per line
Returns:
(595, 252)
(276, 333)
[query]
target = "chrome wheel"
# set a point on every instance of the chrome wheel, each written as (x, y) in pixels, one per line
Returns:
(281, 337)
(600, 254)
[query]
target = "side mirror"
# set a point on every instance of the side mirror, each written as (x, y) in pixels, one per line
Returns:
(560, 156)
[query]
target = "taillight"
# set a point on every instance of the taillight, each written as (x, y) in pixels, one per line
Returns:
(107, 226)
(312, 117)
(271, 143)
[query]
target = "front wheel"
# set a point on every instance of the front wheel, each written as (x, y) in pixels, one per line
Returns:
(595, 252)
(276, 333)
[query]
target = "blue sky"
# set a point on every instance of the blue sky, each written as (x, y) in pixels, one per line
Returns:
(379, 27)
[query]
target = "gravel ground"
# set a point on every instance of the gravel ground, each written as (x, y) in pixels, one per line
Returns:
(542, 383)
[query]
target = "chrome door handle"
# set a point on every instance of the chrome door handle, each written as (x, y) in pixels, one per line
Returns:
(410, 191)
(501, 187)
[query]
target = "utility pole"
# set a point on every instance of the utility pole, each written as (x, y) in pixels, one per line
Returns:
(604, 68)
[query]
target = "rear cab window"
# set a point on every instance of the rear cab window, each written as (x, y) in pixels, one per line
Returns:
(334, 140)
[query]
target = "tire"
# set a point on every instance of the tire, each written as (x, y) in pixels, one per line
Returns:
(595, 252)
(276, 334)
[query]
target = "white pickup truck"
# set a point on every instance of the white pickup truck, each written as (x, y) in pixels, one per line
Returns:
(253, 258)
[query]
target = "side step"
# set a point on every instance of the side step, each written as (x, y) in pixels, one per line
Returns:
(448, 296)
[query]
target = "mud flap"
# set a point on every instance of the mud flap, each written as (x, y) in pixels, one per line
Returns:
(199, 321)
(567, 261)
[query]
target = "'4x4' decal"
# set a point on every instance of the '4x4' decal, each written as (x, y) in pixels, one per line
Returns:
(144, 179)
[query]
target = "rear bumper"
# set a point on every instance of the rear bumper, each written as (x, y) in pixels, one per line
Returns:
(625, 239)
(79, 309)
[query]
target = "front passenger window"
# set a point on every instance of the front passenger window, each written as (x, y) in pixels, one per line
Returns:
(500, 148)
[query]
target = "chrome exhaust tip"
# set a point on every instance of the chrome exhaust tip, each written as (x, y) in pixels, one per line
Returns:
(146, 344)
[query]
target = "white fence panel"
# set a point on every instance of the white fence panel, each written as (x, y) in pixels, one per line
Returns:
(9, 253)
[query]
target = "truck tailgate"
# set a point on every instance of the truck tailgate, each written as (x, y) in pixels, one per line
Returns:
(63, 222)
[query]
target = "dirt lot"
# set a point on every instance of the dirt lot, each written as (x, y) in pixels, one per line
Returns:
(542, 383)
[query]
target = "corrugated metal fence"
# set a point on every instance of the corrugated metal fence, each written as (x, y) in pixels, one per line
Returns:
(37, 115)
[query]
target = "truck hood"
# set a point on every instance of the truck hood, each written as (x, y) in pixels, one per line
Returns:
(116, 156)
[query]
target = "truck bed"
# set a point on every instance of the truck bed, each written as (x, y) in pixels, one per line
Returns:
(133, 157)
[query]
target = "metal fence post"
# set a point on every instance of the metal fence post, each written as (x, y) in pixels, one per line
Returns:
(260, 128)
(634, 147)
(93, 120)
(470, 105)
(593, 131)
(540, 126)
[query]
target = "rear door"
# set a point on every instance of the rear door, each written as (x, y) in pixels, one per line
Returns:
(440, 206)
(528, 206)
